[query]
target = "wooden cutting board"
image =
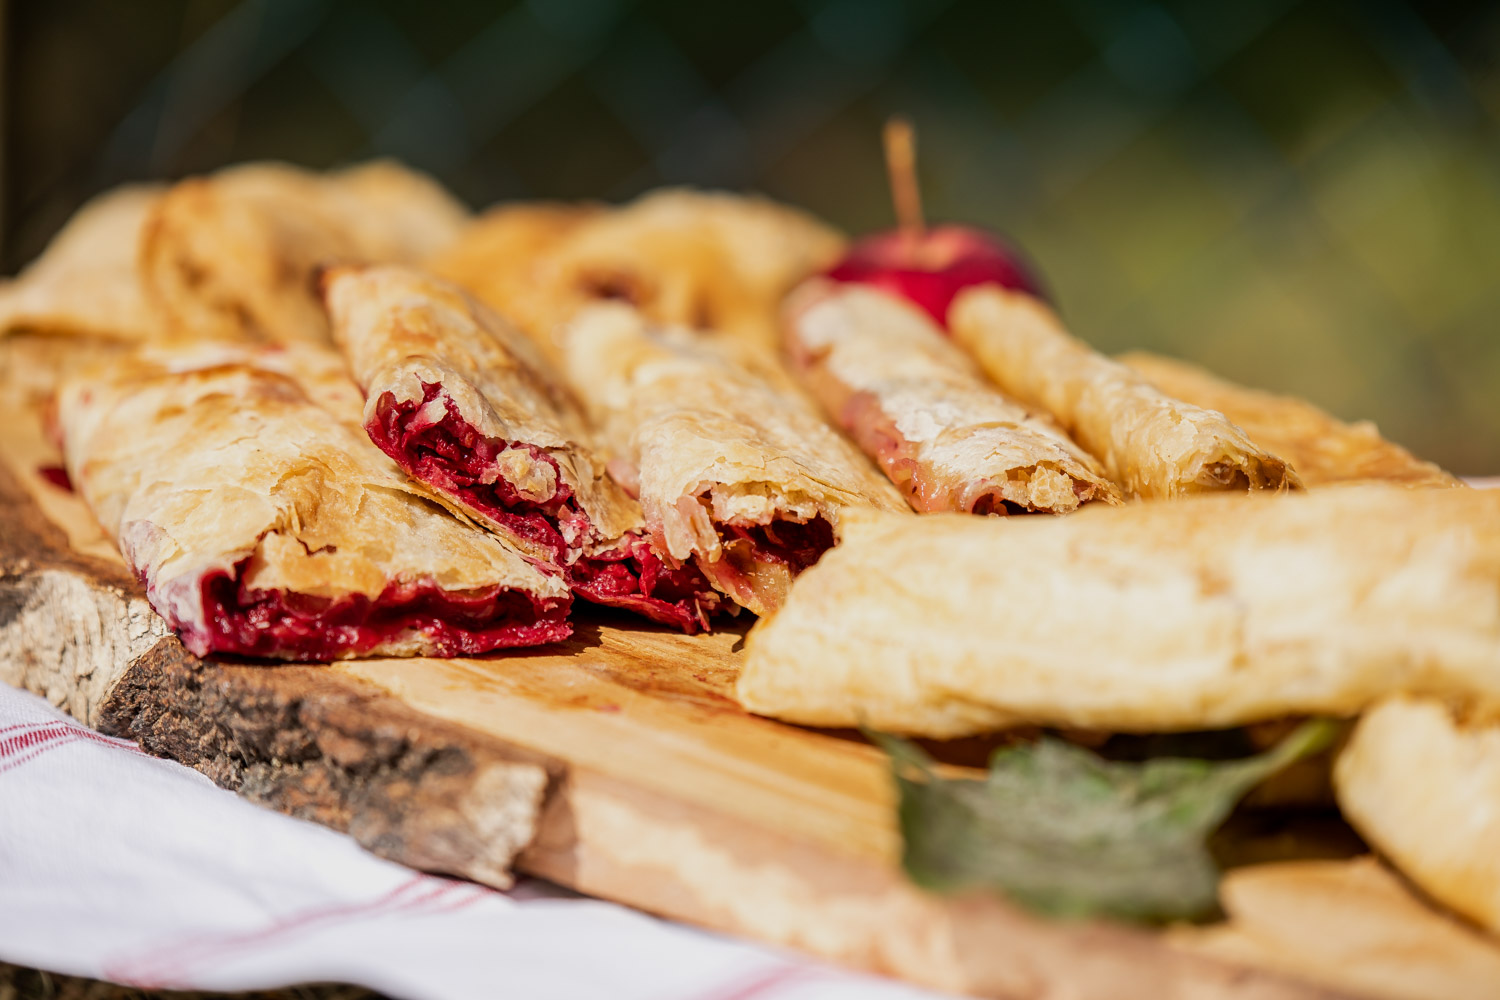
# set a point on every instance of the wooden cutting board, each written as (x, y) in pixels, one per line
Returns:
(616, 764)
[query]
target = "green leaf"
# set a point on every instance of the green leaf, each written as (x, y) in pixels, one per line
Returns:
(1067, 833)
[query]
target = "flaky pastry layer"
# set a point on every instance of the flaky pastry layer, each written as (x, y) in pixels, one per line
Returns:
(949, 440)
(500, 259)
(232, 255)
(1212, 612)
(736, 469)
(467, 405)
(1154, 446)
(1323, 449)
(698, 259)
(263, 524)
(85, 283)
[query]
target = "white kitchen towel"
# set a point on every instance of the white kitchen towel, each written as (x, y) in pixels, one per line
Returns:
(117, 865)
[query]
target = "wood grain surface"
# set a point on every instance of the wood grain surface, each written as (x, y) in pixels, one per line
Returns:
(616, 764)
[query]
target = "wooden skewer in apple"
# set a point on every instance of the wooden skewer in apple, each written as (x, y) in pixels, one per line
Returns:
(928, 266)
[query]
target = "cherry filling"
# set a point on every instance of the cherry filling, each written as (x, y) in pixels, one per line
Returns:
(759, 561)
(288, 625)
(451, 455)
(633, 576)
(795, 544)
(56, 475)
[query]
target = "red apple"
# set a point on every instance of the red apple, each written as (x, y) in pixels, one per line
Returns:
(930, 267)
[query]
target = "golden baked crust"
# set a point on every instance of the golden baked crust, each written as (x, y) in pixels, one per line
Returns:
(1322, 448)
(85, 283)
(718, 445)
(1216, 611)
(318, 371)
(403, 331)
(1423, 788)
(208, 467)
(403, 214)
(921, 411)
(498, 258)
(1349, 925)
(467, 406)
(232, 256)
(1154, 446)
(705, 260)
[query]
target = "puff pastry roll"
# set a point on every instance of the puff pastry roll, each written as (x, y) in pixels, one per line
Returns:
(499, 257)
(232, 256)
(263, 525)
(704, 260)
(1216, 611)
(736, 471)
(467, 406)
(1154, 446)
(1350, 925)
(1323, 449)
(1422, 787)
(85, 283)
(920, 409)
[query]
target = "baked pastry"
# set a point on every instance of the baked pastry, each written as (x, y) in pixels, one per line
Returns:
(264, 526)
(85, 283)
(498, 259)
(704, 260)
(320, 372)
(1353, 926)
(1323, 449)
(734, 471)
(1211, 612)
(916, 404)
(1154, 446)
(467, 406)
(232, 256)
(1422, 786)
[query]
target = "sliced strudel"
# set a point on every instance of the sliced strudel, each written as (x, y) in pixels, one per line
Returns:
(467, 405)
(916, 404)
(736, 470)
(263, 525)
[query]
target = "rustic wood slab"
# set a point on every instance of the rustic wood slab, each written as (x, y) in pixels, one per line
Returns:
(616, 764)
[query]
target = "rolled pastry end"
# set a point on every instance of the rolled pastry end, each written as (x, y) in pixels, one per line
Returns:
(1240, 470)
(751, 554)
(517, 487)
(1057, 486)
(520, 489)
(920, 409)
(1155, 446)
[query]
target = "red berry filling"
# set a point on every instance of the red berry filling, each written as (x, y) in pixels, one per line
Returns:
(451, 455)
(287, 625)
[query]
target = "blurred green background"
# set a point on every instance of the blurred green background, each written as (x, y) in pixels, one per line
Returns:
(1303, 196)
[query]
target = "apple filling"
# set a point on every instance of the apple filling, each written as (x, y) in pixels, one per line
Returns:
(758, 562)
(520, 488)
(406, 617)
